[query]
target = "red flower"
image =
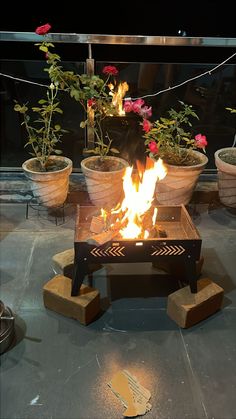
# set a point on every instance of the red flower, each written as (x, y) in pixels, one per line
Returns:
(147, 126)
(42, 30)
(200, 141)
(153, 147)
(91, 102)
(110, 69)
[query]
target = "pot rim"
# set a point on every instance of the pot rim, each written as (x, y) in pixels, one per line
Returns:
(221, 164)
(87, 159)
(63, 158)
(203, 163)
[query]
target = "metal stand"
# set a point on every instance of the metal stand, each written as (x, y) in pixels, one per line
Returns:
(85, 253)
(57, 212)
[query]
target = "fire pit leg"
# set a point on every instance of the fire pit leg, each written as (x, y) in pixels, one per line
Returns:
(80, 269)
(191, 275)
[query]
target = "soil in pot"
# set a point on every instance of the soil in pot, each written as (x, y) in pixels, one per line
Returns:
(188, 159)
(104, 165)
(52, 166)
(228, 157)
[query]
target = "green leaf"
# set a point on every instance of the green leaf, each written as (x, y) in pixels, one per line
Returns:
(114, 150)
(43, 48)
(90, 151)
(58, 151)
(58, 110)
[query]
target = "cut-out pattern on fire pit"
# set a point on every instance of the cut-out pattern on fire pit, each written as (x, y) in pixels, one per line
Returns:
(183, 242)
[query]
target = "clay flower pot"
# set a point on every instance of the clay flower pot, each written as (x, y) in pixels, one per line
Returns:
(178, 186)
(225, 161)
(49, 188)
(105, 188)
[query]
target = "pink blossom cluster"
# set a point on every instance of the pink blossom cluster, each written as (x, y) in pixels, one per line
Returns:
(138, 106)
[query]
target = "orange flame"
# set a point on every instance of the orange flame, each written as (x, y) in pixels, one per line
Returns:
(139, 191)
(118, 95)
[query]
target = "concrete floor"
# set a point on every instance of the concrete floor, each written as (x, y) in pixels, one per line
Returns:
(59, 369)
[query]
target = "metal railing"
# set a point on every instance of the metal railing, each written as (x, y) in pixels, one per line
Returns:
(75, 38)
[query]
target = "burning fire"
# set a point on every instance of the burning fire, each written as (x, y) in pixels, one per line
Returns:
(118, 95)
(133, 216)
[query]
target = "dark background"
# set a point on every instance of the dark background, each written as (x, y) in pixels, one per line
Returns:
(195, 17)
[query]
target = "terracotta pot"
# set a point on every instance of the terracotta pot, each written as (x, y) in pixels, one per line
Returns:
(226, 178)
(49, 188)
(105, 189)
(179, 184)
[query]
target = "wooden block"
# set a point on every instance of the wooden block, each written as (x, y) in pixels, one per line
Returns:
(64, 259)
(57, 297)
(97, 224)
(187, 309)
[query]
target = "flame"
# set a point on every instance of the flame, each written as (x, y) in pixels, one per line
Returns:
(131, 218)
(139, 196)
(118, 95)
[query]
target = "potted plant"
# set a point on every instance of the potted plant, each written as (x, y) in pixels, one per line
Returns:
(103, 172)
(225, 161)
(47, 170)
(169, 139)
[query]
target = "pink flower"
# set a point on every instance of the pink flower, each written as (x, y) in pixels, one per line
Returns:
(137, 105)
(91, 102)
(145, 112)
(153, 147)
(42, 30)
(110, 69)
(147, 126)
(128, 105)
(200, 141)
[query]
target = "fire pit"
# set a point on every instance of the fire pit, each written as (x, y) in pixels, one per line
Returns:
(177, 239)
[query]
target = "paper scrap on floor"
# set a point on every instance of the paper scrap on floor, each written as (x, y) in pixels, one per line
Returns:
(131, 393)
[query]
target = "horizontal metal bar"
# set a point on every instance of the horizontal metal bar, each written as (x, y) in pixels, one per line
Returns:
(75, 38)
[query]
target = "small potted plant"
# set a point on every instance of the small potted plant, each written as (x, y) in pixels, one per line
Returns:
(225, 161)
(168, 138)
(103, 172)
(47, 170)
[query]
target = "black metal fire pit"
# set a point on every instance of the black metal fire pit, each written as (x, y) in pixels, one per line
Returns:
(182, 244)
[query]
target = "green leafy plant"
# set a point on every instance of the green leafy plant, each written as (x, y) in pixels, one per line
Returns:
(43, 133)
(92, 92)
(169, 138)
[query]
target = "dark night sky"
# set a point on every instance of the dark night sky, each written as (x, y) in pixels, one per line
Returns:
(196, 17)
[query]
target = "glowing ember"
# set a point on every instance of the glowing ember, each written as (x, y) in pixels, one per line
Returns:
(135, 216)
(118, 95)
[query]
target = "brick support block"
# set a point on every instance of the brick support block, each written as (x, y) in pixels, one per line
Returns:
(187, 309)
(57, 297)
(64, 261)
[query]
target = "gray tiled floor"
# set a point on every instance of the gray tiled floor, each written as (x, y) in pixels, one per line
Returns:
(59, 369)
